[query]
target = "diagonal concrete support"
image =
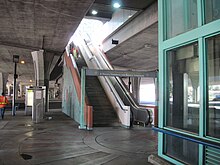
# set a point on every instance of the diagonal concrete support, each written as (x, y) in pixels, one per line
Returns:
(141, 22)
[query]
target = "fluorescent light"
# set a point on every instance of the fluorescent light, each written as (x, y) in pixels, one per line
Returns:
(94, 12)
(116, 5)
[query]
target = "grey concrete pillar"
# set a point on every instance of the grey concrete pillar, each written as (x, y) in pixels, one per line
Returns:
(48, 58)
(21, 90)
(3, 81)
(9, 90)
(135, 83)
(38, 59)
(42, 64)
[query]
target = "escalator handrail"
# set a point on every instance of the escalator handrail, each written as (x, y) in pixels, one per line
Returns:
(117, 97)
(118, 80)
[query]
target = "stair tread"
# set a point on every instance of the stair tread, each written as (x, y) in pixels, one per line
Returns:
(103, 111)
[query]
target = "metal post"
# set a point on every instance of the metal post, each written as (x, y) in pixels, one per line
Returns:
(83, 80)
(15, 60)
(129, 84)
(14, 90)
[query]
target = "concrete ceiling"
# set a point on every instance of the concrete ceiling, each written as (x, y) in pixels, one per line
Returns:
(29, 25)
(138, 52)
(105, 7)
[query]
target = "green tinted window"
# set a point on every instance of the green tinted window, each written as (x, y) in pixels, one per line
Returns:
(212, 8)
(183, 104)
(181, 16)
(213, 109)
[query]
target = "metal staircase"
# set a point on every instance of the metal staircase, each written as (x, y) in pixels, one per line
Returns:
(103, 112)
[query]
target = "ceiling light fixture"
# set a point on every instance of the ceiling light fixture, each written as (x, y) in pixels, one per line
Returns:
(94, 12)
(116, 5)
(22, 62)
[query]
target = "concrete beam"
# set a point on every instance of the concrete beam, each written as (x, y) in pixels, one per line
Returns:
(27, 47)
(142, 21)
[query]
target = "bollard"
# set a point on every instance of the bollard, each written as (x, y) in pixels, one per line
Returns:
(155, 116)
(89, 118)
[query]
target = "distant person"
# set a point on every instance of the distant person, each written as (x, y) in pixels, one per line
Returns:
(3, 103)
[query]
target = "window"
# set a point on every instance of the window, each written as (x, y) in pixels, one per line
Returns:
(181, 149)
(183, 88)
(181, 16)
(213, 109)
(212, 8)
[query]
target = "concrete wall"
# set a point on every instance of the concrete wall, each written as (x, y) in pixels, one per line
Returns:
(118, 18)
(139, 23)
(70, 102)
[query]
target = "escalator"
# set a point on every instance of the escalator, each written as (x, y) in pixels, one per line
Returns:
(96, 59)
(103, 112)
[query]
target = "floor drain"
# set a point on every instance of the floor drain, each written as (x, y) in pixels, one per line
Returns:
(26, 156)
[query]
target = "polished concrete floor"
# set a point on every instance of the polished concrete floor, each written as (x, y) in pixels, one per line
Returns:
(58, 141)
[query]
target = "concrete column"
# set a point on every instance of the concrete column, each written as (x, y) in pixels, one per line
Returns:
(42, 64)
(9, 90)
(21, 90)
(3, 81)
(48, 58)
(38, 59)
(136, 81)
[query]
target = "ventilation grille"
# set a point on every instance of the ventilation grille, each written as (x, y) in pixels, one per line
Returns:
(212, 156)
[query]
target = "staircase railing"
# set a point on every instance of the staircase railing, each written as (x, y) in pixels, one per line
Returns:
(122, 110)
(139, 113)
(85, 114)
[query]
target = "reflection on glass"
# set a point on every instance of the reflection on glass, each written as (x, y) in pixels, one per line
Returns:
(181, 16)
(183, 88)
(181, 149)
(212, 8)
(213, 109)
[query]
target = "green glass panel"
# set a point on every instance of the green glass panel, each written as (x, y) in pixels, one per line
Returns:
(183, 79)
(212, 8)
(181, 16)
(213, 109)
(182, 150)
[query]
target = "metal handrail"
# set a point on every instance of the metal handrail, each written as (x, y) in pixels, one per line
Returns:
(189, 138)
(114, 92)
(119, 82)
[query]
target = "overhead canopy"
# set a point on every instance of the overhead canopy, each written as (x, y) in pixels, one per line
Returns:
(32, 25)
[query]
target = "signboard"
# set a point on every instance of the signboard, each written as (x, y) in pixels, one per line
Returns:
(120, 73)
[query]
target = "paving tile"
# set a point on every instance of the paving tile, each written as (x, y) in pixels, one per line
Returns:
(59, 141)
